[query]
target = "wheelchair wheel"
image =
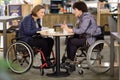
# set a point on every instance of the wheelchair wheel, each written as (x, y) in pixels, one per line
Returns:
(98, 57)
(19, 57)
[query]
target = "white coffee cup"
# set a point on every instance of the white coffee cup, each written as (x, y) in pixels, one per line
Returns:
(44, 28)
(51, 30)
(65, 32)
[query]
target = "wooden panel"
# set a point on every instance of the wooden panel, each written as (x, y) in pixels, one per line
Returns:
(50, 19)
(35, 2)
(104, 20)
(118, 24)
(26, 9)
(9, 37)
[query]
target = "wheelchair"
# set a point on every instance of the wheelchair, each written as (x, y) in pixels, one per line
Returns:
(20, 57)
(94, 57)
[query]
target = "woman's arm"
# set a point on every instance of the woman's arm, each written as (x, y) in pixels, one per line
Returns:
(82, 26)
(29, 27)
(64, 26)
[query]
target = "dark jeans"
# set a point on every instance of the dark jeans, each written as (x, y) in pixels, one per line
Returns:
(46, 45)
(73, 44)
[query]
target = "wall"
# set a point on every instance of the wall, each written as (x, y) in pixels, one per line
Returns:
(50, 19)
(34, 2)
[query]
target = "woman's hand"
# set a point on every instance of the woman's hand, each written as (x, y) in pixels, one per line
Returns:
(64, 26)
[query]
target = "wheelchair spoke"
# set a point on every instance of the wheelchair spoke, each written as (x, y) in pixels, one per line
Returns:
(14, 60)
(26, 61)
(19, 57)
(98, 55)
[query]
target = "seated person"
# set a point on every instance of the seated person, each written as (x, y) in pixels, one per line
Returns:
(85, 24)
(29, 27)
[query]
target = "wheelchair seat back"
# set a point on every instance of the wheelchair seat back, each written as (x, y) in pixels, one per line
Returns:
(100, 36)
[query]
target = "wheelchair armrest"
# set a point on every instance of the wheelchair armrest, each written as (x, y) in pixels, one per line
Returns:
(10, 29)
(17, 38)
(99, 37)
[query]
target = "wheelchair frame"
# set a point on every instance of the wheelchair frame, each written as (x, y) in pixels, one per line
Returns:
(17, 49)
(91, 54)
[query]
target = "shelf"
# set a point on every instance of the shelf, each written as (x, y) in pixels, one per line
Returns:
(63, 5)
(55, 8)
(56, 0)
(56, 5)
(109, 3)
(108, 13)
(102, 10)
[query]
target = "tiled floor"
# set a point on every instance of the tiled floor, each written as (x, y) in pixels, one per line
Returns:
(34, 74)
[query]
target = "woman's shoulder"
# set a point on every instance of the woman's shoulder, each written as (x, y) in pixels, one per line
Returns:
(87, 15)
(28, 17)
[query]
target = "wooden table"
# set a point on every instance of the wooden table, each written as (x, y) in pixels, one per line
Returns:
(4, 20)
(114, 36)
(57, 36)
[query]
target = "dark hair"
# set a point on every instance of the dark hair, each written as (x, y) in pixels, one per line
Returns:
(80, 5)
(36, 9)
(103, 0)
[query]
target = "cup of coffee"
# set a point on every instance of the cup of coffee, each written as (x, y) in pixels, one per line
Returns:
(65, 32)
(51, 30)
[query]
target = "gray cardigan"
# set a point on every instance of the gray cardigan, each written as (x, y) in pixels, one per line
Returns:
(87, 24)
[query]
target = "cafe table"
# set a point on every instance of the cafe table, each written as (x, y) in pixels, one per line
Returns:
(57, 36)
(115, 36)
(4, 20)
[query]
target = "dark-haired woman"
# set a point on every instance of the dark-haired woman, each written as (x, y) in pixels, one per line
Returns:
(29, 27)
(85, 24)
